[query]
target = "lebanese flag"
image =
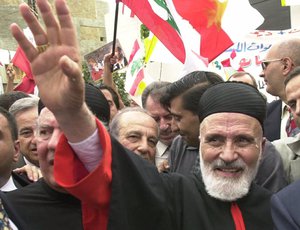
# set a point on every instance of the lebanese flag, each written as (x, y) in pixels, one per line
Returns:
(136, 78)
(196, 31)
(20, 60)
(135, 69)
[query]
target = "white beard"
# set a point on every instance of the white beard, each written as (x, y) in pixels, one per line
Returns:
(227, 189)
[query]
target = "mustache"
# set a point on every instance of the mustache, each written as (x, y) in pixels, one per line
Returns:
(219, 163)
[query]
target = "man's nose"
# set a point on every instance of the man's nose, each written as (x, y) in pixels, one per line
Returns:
(228, 153)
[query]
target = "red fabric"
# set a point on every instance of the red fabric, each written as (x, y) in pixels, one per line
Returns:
(26, 85)
(96, 75)
(161, 28)
(237, 217)
(291, 126)
(135, 48)
(139, 77)
(20, 60)
(213, 39)
(70, 173)
(199, 13)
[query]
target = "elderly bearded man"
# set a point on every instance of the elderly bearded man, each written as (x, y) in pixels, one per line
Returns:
(125, 192)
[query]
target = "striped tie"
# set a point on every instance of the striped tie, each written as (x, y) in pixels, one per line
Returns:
(4, 222)
(291, 126)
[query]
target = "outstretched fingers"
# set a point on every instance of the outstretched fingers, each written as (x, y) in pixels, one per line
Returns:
(52, 26)
(36, 28)
(23, 42)
(68, 32)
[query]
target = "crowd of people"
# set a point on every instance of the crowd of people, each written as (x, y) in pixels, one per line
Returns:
(201, 152)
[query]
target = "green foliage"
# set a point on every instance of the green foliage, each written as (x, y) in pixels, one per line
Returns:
(119, 79)
(86, 73)
(144, 32)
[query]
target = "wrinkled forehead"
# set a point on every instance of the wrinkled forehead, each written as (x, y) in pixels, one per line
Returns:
(230, 121)
(136, 118)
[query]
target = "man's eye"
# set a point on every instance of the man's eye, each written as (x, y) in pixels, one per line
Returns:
(26, 133)
(133, 138)
(169, 117)
(214, 141)
(152, 142)
(292, 105)
(242, 141)
(45, 133)
(176, 118)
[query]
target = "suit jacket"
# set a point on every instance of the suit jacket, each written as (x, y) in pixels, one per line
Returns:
(20, 180)
(285, 208)
(272, 122)
(43, 208)
(289, 149)
(11, 212)
(20, 163)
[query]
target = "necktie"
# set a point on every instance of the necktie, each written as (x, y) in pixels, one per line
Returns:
(291, 126)
(237, 217)
(4, 222)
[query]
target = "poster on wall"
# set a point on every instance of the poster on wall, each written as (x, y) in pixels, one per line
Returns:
(95, 60)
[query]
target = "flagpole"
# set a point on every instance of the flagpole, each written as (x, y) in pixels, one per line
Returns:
(115, 30)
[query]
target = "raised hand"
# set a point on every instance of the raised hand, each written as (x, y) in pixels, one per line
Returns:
(55, 61)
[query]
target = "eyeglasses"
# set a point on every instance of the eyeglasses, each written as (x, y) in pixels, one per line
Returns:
(265, 63)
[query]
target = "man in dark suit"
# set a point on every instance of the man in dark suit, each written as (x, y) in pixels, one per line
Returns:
(9, 153)
(273, 120)
(7, 212)
(285, 207)
(286, 203)
(280, 60)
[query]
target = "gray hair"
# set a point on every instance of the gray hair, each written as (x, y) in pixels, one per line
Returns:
(114, 125)
(23, 104)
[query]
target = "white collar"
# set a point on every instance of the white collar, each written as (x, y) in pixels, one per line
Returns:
(9, 186)
(28, 162)
(160, 148)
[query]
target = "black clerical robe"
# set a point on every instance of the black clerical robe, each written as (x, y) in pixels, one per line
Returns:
(43, 208)
(141, 198)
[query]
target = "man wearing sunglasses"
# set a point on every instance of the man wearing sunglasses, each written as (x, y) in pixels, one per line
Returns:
(280, 60)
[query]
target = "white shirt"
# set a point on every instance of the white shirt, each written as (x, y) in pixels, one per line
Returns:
(28, 162)
(9, 186)
(162, 152)
(284, 119)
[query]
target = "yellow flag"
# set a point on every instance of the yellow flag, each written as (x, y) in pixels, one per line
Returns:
(149, 45)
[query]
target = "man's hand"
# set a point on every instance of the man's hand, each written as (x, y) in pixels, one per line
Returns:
(56, 67)
(33, 173)
(164, 166)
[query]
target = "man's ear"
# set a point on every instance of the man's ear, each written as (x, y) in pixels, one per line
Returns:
(288, 65)
(17, 151)
(263, 144)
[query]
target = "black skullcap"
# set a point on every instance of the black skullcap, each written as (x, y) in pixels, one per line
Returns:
(232, 97)
(96, 102)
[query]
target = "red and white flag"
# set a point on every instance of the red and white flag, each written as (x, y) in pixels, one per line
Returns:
(27, 83)
(136, 77)
(196, 31)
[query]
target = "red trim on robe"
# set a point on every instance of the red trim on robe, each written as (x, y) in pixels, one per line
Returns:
(237, 217)
(71, 174)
